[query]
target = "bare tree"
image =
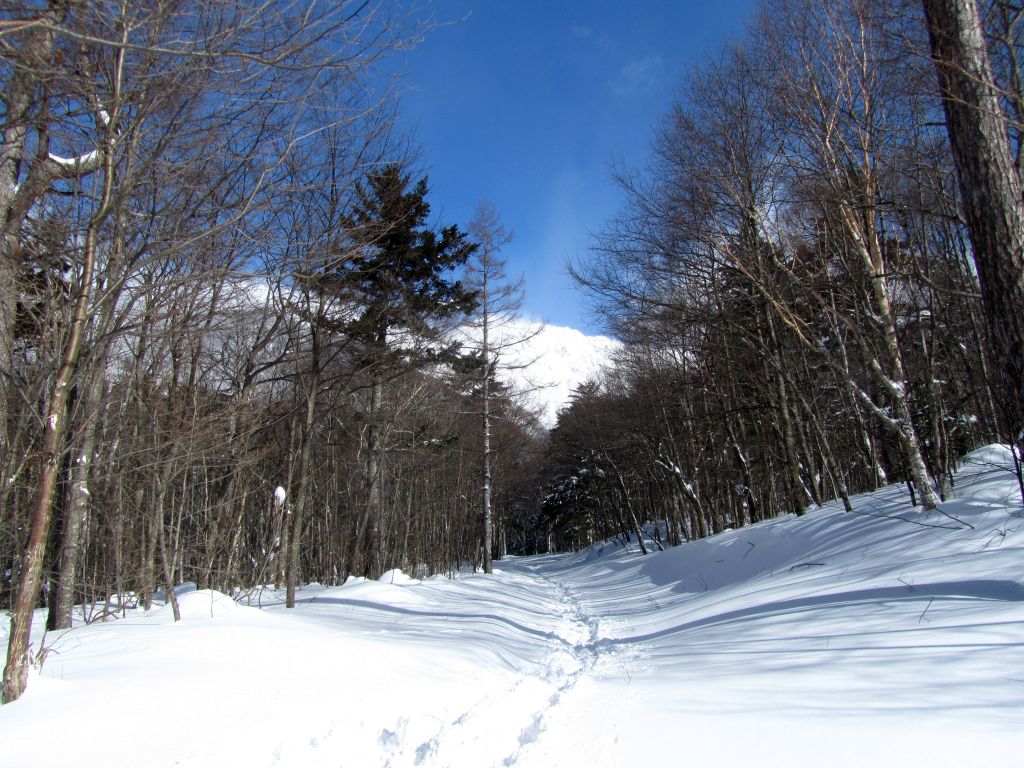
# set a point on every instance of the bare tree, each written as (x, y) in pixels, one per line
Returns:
(493, 330)
(792, 277)
(134, 103)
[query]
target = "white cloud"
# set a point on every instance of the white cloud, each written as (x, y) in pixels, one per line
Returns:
(638, 76)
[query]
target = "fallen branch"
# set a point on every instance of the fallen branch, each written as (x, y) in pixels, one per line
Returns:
(922, 618)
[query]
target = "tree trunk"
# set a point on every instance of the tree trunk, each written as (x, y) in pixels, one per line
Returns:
(295, 542)
(799, 493)
(990, 186)
(486, 490)
(16, 669)
(629, 505)
(77, 508)
(166, 562)
(373, 473)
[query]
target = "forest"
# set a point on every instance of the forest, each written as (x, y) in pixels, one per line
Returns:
(794, 279)
(237, 349)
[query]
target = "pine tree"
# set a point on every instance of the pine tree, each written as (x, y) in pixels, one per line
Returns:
(395, 273)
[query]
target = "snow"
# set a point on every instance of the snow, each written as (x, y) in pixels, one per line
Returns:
(202, 604)
(279, 495)
(554, 362)
(882, 637)
(395, 576)
(71, 162)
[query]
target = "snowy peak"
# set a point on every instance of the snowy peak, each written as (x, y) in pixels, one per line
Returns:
(552, 363)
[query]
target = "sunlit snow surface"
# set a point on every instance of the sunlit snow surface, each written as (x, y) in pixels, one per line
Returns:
(548, 362)
(837, 639)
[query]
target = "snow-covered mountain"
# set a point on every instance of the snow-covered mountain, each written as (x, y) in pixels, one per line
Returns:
(551, 363)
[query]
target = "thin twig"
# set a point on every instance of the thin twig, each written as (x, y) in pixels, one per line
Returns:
(922, 618)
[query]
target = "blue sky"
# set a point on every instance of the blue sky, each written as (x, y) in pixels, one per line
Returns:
(526, 103)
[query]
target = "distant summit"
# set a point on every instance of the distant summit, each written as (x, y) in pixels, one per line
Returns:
(556, 360)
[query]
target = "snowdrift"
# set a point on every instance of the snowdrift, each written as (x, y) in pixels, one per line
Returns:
(885, 637)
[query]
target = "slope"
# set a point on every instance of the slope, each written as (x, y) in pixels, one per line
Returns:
(550, 362)
(880, 637)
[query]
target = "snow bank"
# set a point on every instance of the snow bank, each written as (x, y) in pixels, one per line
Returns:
(182, 589)
(395, 576)
(203, 604)
(883, 637)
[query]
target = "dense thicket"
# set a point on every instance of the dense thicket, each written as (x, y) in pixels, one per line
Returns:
(794, 280)
(223, 310)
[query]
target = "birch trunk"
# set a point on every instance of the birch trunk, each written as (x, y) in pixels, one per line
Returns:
(77, 509)
(295, 542)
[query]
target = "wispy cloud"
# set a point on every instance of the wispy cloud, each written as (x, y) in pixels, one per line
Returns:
(638, 76)
(582, 32)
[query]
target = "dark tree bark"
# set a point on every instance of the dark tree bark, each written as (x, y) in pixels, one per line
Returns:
(989, 183)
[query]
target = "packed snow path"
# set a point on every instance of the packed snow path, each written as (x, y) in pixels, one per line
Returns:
(885, 637)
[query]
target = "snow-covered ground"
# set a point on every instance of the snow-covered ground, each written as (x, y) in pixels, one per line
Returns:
(882, 637)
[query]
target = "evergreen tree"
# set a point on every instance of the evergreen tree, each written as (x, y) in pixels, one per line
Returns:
(395, 267)
(394, 273)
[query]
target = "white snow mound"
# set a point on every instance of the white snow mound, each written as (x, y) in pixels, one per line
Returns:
(205, 604)
(395, 576)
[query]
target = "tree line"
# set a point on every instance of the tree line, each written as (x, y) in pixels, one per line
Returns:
(814, 284)
(226, 313)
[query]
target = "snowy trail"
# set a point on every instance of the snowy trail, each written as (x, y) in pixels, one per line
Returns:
(840, 639)
(497, 729)
(447, 673)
